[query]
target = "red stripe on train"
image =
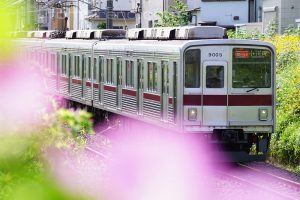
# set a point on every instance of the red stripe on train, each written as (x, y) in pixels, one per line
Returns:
(129, 92)
(214, 100)
(152, 97)
(190, 100)
(250, 100)
(110, 88)
(62, 78)
(233, 100)
(96, 85)
(89, 84)
(75, 81)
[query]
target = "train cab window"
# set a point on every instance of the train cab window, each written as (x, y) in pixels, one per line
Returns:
(152, 77)
(192, 68)
(76, 66)
(110, 71)
(215, 77)
(251, 68)
(129, 67)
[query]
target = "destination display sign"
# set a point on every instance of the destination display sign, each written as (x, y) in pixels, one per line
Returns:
(240, 53)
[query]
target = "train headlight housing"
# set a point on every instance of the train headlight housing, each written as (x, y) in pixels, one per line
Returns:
(192, 114)
(263, 114)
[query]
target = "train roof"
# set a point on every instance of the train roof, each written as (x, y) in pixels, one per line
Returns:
(161, 45)
(172, 46)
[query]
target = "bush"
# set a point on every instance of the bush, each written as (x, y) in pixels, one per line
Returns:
(287, 49)
(22, 166)
(285, 142)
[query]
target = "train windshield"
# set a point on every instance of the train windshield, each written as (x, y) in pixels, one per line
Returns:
(251, 68)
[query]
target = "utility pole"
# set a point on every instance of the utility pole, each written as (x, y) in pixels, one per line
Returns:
(109, 14)
(78, 14)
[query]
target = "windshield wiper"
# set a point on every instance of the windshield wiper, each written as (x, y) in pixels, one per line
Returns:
(256, 88)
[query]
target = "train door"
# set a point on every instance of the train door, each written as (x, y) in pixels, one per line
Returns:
(119, 82)
(140, 85)
(165, 89)
(214, 93)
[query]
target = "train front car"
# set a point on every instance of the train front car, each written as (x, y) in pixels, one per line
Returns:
(229, 95)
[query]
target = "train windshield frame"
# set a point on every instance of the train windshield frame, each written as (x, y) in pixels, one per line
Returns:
(251, 68)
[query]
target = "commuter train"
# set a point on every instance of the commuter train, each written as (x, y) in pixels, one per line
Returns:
(189, 79)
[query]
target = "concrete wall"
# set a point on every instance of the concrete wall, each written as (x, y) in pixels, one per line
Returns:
(224, 12)
(79, 15)
(118, 5)
(287, 12)
(149, 9)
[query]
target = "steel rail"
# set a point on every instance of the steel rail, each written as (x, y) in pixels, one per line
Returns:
(271, 175)
(263, 188)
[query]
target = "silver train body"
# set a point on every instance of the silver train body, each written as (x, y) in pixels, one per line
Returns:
(223, 89)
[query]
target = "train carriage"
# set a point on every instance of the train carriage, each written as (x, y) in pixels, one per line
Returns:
(189, 79)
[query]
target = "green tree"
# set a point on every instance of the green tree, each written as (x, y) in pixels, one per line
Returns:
(101, 25)
(178, 15)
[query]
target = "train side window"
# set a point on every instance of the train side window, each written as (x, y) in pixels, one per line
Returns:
(76, 66)
(192, 68)
(44, 59)
(165, 70)
(119, 71)
(64, 65)
(129, 82)
(152, 77)
(140, 66)
(101, 69)
(52, 63)
(89, 68)
(95, 69)
(110, 71)
(215, 77)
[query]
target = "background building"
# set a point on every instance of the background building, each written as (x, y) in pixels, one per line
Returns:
(227, 13)
(284, 12)
(146, 10)
(123, 17)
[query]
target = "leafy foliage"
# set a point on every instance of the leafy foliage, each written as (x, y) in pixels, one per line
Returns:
(285, 142)
(287, 49)
(101, 25)
(22, 166)
(242, 34)
(177, 16)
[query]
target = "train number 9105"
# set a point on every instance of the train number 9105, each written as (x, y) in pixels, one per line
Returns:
(215, 55)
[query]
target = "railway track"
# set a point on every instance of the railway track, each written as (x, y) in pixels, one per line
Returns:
(273, 176)
(264, 185)
(100, 144)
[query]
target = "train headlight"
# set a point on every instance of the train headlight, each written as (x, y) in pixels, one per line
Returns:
(263, 114)
(192, 114)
